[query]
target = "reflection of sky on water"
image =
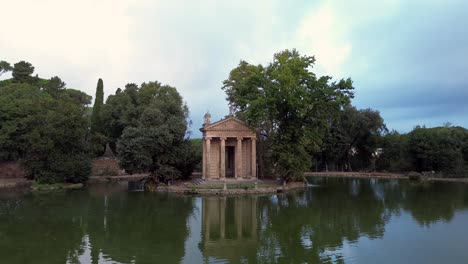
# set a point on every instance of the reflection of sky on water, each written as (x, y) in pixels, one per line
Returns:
(192, 253)
(404, 238)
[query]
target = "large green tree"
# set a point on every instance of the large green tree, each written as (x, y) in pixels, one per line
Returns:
(22, 72)
(352, 140)
(289, 105)
(43, 125)
(439, 149)
(97, 138)
(154, 121)
(96, 121)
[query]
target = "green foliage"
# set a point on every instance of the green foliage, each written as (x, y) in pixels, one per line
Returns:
(22, 73)
(46, 131)
(394, 156)
(289, 105)
(98, 140)
(96, 120)
(55, 86)
(78, 96)
(152, 120)
(5, 67)
(352, 140)
(440, 149)
(197, 152)
(119, 112)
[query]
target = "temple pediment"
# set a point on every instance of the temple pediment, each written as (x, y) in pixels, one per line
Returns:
(227, 124)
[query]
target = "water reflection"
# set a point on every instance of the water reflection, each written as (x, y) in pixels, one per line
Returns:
(340, 221)
(229, 228)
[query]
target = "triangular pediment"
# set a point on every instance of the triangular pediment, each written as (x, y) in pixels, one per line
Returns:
(228, 124)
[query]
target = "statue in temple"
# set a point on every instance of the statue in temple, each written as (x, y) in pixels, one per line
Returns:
(231, 111)
(207, 119)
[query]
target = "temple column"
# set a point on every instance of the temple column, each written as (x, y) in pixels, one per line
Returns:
(208, 157)
(204, 159)
(223, 158)
(254, 157)
(239, 158)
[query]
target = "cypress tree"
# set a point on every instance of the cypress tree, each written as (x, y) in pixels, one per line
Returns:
(96, 122)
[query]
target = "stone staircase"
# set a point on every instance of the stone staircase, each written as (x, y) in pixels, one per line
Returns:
(197, 181)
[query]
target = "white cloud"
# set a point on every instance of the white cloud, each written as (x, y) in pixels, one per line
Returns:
(79, 41)
(321, 34)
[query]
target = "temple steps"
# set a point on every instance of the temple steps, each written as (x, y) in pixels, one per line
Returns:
(197, 181)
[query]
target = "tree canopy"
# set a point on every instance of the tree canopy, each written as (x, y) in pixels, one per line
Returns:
(43, 125)
(5, 67)
(149, 124)
(289, 105)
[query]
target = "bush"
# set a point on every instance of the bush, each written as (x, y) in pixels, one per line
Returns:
(59, 168)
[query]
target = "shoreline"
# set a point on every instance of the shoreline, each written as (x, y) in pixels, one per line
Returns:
(379, 175)
(182, 189)
(11, 183)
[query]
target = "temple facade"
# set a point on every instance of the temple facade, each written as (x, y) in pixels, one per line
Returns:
(229, 149)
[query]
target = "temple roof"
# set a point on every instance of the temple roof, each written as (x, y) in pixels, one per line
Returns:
(229, 123)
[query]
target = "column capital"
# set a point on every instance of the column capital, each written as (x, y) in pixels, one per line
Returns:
(254, 138)
(208, 138)
(222, 138)
(240, 138)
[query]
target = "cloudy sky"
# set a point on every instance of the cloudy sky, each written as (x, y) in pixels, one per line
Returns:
(408, 59)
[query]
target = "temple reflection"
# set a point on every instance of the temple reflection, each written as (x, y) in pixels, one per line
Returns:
(229, 228)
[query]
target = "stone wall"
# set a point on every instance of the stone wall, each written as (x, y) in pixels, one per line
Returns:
(105, 167)
(10, 169)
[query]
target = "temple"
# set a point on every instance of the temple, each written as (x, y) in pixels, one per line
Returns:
(229, 149)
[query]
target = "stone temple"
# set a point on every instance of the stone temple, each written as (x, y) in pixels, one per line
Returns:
(229, 149)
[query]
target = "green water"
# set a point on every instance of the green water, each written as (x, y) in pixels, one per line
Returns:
(336, 221)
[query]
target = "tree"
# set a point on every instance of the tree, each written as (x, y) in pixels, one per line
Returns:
(54, 86)
(78, 96)
(119, 112)
(96, 122)
(352, 140)
(157, 142)
(289, 105)
(22, 72)
(439, 149)
(394, 153)
(97, 138)
(47, 134)
(5, 67)
(57, 151)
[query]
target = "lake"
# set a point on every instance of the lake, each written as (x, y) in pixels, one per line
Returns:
(337, 220)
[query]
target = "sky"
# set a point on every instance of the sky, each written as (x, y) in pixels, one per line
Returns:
(408, 59)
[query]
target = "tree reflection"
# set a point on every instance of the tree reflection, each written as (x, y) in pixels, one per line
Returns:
(431, 202)
(117, 227)
(139, 227)
(304, 226)
(41, 228)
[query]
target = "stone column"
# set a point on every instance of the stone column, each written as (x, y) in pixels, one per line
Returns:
(253, 141)
(204, 159)
(208, 157)
(239, 158)
(223, 158)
